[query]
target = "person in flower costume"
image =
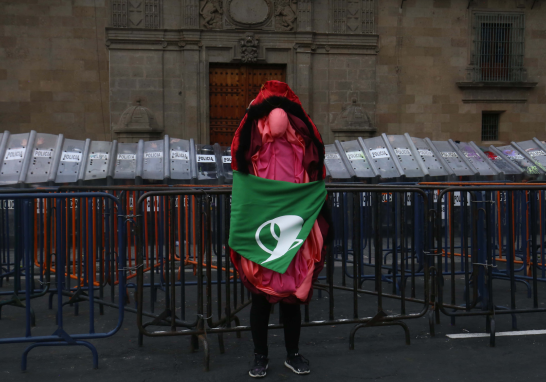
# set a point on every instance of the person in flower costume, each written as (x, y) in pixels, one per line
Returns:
(279, 221)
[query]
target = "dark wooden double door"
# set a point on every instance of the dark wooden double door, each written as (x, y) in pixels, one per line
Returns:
(231, 89)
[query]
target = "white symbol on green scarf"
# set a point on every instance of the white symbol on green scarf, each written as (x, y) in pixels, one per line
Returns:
(289, 227)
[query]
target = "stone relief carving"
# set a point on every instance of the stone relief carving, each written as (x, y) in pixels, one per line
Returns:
(353, 118)
(246, 12)
(255, 14)
(137, 122)
(286, 15)
(353, 16)
(151, 13)
(136, 13)
(249, 48)
(119, 13)
(211, 13)
(191, 13)
(339, 18)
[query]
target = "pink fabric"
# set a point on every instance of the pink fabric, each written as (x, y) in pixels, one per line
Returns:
(278, 123)
(280, 158)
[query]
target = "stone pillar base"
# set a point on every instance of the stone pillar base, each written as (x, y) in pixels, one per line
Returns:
(343, 136)
(128, 137)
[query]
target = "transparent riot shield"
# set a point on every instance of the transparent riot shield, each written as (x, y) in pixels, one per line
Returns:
(335, 166)
(96, 166)
(16, 158)
(3, 142)
(207, 164)
(478, 159)
(503, 163)
(454, 158)
(431, 158)
(407, 155)
(535, 150)
(180, 160)
(227, 172)
(356, 159)
(524, 162)
(153, 160)
(44, 158)
(126, 161)
(381, 156)
(70, 160)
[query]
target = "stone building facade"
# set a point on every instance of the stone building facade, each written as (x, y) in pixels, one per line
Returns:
(327, 50)
(426, 63)
(432, 68)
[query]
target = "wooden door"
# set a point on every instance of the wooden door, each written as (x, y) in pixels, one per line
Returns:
(231, 89)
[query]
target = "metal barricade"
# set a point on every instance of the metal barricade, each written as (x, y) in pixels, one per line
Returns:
(486, 239)
(220, 296)
(47, 243)
(495, 233)
(103, 215)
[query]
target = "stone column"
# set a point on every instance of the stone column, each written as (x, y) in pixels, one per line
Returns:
(303, 74)
(305, 15)
(191, 91)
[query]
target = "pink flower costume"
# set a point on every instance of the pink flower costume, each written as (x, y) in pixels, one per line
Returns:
(278, 152)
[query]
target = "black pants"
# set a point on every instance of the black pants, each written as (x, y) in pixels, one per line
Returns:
(259, 320)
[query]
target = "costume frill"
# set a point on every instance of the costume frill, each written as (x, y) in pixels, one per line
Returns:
(277, 140)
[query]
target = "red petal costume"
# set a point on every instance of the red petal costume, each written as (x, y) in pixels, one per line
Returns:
(277, 140)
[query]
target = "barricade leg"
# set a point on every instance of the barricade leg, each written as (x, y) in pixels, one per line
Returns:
(194, 344)
(221, 343)
(237, 323)
(203, 339)
(370, 324)
(75, 343)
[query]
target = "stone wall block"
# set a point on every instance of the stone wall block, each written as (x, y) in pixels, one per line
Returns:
(338, 75)
(126, 83)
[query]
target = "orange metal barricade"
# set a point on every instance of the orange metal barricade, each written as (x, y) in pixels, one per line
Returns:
(76, 244)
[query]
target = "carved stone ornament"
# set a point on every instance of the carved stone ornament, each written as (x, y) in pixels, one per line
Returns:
(286, 15)
(249, 48)
(353, 16)
(249, 14)
(136, 15)
(137, 122)
(211, 12)
(353, 118)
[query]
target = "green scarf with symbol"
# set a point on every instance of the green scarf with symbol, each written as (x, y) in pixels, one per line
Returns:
(270, 219)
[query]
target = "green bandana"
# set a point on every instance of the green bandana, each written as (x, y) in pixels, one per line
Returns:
(271, 219)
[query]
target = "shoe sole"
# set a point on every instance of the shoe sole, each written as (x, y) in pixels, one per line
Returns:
(259, 376)
(295, 371)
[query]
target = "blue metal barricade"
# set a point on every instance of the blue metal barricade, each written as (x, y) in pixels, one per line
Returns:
(54, 206)
(496, 233)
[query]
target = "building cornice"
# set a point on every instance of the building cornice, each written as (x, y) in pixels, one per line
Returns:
(496, 85)
(170, 39)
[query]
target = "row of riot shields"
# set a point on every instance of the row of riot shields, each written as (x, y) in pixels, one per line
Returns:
(46, 159)
(400, 157)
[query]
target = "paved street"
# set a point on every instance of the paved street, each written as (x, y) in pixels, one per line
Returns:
(380, 353)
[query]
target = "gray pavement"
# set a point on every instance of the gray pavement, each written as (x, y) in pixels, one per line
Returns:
(380, 353)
